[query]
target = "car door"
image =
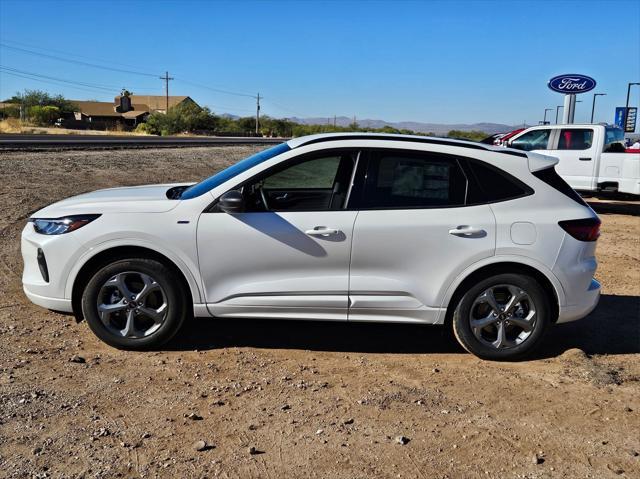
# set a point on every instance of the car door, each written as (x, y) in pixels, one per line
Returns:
(578, 156)
(413, 235)
(287, 254)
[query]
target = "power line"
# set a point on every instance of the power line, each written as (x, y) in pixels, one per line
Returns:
(94, 65)
(90, 87)
(219, 90)
(49, 82)
(280, 107)
(27, 45)
(77, 62)
(73, 82)
(133, 72)
(233, 108)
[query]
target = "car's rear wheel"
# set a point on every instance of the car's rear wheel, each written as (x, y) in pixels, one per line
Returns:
(134, 304)
(503, 317)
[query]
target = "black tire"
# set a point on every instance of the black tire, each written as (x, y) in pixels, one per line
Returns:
(172, 293)
(462, 318)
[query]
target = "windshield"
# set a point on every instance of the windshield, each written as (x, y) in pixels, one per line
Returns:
(234, 170)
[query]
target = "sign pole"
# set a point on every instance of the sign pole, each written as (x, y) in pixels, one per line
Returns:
(569, 110)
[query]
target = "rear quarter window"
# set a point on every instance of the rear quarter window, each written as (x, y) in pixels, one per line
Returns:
(551, 177)
(491, 184)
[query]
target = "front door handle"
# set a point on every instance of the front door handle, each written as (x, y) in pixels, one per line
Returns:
(466, 231)
(585, 159)
(322, 231)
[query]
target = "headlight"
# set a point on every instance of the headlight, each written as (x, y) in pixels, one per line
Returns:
(58, 226)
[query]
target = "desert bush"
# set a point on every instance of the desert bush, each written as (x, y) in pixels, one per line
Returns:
(44, 115)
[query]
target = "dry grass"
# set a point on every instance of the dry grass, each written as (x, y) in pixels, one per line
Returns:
(10, 125)
(14, 125)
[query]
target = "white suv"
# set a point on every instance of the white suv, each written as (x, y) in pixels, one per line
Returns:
(341, 227)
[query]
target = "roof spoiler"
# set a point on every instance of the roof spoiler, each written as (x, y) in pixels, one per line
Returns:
(539, 162)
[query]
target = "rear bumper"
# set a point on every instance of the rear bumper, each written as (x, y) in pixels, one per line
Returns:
(588, 302)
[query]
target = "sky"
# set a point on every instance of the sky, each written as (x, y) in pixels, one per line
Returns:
(427, 61)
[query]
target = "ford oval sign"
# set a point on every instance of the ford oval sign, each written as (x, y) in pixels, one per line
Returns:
(572, 84)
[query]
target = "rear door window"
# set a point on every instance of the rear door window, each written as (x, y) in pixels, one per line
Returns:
(532, 140)
(575, 139)
(402, 179)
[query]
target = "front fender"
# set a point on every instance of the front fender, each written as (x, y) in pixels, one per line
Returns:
(185, 265)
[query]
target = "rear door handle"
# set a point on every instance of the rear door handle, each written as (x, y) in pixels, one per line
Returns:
(585, 159)
(465, 231)
(322, 231)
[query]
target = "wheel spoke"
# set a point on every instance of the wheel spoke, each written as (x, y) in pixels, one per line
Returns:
(119, 282)
(106, 310)
(483, 322)
(489, 298)
(525, 323)
(501, 340)
(129, 328)
(157, 315)
(150, 285)
(517, 295)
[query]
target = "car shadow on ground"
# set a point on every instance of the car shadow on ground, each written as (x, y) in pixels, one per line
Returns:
(617, 208)
(613, 328)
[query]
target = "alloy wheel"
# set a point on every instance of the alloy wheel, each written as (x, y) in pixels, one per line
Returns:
(503, 316)
(132, 304)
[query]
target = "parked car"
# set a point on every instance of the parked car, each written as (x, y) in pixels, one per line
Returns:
(346, 227)
(502, 141)
(492, 139)
(592, 157)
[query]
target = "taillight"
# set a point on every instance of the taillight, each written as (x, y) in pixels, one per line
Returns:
(587, 229)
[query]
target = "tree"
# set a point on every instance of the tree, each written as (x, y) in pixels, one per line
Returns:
(44, 115)
(467, 135)
(32, 98)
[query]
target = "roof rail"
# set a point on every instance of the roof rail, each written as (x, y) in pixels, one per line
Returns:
(312, 139)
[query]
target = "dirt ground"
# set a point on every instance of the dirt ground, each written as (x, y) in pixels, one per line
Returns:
(313, 399)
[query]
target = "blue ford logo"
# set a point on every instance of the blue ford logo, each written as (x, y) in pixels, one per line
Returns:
(572, 83)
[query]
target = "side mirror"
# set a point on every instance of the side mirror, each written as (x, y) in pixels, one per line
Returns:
(232, 202)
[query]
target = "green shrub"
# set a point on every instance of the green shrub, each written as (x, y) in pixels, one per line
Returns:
(44, 115)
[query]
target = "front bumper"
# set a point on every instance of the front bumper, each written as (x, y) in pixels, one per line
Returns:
(60, 253)
(588, 302)
(55, 304)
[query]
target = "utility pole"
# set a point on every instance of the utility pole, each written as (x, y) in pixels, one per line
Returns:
(334, 121)
(258, 114)
(557, 111)
(544, 121)
(166, 79)
(593, 105)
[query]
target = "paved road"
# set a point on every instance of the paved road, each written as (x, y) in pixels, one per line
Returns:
(17, 141)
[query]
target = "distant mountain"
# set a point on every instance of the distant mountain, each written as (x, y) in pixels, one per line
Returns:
(437, 128)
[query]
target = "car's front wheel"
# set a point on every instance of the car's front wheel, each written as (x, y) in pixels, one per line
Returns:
(134, 303)
(503, 317)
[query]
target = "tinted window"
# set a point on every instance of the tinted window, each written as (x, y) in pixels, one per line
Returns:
(575, 139)
(614, 140)
(310, 183)
(318, 173)
(532, 140)
(400, 179)
(553, 179)
(493, 185)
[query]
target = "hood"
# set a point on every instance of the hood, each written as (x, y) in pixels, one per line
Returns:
(133, 199)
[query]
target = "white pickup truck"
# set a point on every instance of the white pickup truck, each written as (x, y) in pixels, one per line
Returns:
(592, 157)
